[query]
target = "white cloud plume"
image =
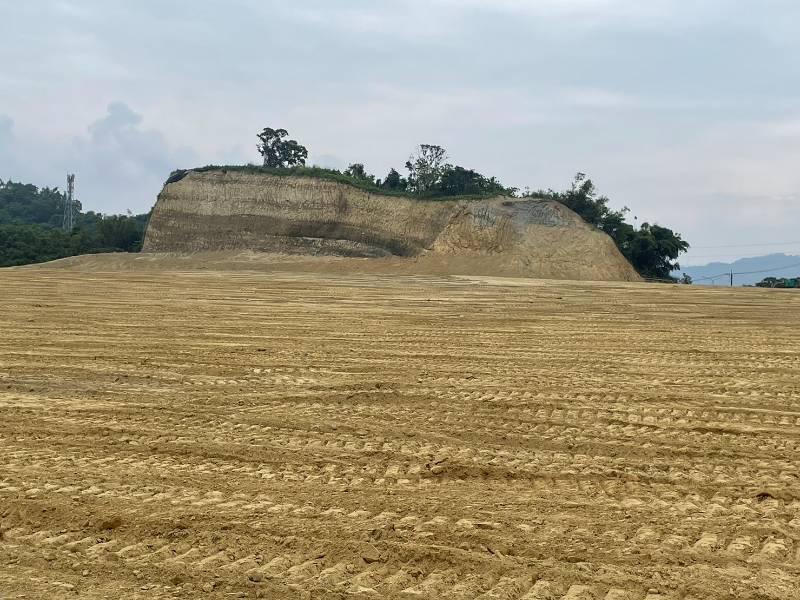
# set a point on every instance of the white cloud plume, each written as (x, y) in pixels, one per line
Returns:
(119, 165)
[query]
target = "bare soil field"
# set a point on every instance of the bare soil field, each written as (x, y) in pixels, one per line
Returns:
(303, 435)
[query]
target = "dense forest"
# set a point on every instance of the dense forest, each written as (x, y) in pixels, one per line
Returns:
(31, 232)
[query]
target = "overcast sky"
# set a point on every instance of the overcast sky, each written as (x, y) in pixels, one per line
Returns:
(687, 112)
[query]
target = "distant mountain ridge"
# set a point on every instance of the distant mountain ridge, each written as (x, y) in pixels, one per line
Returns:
(771, 265)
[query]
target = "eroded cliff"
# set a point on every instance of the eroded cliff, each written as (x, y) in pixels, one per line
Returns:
(238, 210)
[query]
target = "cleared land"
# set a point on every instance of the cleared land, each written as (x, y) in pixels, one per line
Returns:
(301, 435)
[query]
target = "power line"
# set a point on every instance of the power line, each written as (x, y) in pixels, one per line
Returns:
(731, 254)
(783, 268)
(747, 245)
(711, 277)
(732, 274)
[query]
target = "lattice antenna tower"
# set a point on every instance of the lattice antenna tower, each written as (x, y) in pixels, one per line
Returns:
(69, 204)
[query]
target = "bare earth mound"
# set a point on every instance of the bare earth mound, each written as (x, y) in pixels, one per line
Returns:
(243, 211)
(303, 436)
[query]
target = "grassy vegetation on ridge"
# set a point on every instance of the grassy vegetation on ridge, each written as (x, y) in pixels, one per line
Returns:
(330, 175)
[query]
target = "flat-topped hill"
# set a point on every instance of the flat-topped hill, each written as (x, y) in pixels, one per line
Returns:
(223, 210)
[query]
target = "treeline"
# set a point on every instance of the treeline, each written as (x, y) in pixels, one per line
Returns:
(653, 250)
(30, 227)
(429, 174)
(792, 283)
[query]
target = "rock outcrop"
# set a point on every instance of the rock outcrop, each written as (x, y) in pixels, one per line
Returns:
(222, 210)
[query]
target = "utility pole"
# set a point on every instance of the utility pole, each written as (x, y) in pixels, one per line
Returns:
(69, 204)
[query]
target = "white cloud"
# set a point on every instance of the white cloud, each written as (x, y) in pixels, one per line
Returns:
(6, 130)
(119, 165)
(603, 8)
(118, 149)
(784, 128)
(6, 147)
(599, 98)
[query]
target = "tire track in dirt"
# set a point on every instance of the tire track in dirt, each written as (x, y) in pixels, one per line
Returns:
(338, 436)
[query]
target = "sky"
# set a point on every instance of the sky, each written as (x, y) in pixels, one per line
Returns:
(688, 113)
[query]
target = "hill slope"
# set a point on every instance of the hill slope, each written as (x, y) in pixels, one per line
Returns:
(221, 210)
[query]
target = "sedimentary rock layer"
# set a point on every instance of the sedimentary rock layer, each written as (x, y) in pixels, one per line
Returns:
(234, 210)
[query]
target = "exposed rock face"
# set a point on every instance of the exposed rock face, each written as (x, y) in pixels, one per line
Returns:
(233, 210)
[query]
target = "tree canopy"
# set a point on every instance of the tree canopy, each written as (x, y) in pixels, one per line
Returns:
(458, 181)
(30, 227)
(25, 203)
(393, 181)
(426, 167)
(779, 282)
(357, 171)
(277, 151)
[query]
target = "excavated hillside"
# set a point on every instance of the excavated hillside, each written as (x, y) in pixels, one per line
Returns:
(222, 210)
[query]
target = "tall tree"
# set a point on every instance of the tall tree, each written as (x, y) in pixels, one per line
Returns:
(425, 167)
(279, 152)
(394, 181)
(654, 251)
(357, 171)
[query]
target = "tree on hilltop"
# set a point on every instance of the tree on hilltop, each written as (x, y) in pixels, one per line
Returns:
(653, 250)
(425, 167)
(278, 152)
(357, 171)
(393, 181)
(458, 181)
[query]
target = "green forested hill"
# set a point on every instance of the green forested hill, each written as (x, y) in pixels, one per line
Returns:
(30, 227)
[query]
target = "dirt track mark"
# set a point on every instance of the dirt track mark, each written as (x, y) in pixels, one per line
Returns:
(330, 437)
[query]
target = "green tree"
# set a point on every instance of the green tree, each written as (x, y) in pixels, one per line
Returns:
(23, 243)
(768, 282)
(25, 203)
(30, 227)
(425, 168)
(357, 171)
(393, 181)
(278, 152)
(120, 232)
(583, 199)
(458, 181)
(653, 250)
(779, 282)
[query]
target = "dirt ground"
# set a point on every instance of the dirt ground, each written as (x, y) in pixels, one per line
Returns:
(302, 435)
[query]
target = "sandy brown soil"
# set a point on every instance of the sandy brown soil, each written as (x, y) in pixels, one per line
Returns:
(298, 435)
(229, 211)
